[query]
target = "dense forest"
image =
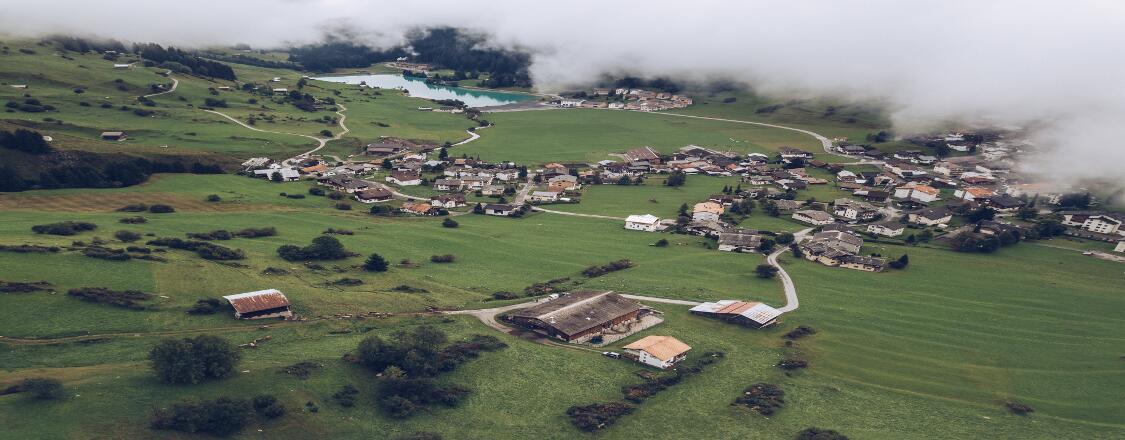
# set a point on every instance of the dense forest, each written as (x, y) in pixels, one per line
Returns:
(184, 62)
(446, 47)
(249, 60)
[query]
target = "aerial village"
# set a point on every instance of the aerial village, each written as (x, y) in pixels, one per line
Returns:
(969, 197)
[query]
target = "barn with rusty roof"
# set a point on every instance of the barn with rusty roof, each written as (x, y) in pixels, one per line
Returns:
(750, 314)
(269, 303)
(579, 316)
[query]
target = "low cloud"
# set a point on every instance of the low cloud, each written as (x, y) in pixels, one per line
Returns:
(1054, 67)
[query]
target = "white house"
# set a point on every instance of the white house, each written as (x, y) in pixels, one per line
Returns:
(813, 217)
(887, 228)
(405, 178)
(288, 174)
(707, 211)
(919, 192)
(930, 216)
(1100, 222)
(974, 193)
(658, 351)
(544, 196)
(499, 209)
(647, 222)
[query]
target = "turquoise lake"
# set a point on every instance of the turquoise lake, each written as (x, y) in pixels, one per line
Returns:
(419, 89)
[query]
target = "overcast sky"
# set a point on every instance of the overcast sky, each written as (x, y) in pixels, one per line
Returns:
(1059, 65)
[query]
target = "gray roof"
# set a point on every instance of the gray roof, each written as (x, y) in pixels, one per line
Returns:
(845, 237)
(739, 239)
(579, 311)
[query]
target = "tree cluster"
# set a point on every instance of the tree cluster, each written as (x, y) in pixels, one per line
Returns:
(64, 228)
(27, 141)
(193, 360)
(613, 266)
(184, 62)
(322, 248)
(763, 398)
(127, 299)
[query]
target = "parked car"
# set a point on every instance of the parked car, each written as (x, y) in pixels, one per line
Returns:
(611, 354)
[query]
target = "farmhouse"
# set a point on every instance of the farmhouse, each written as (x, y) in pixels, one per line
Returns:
(544, 196)
(288, 174)
(448, 200)
(564, 182)
(261, 304)
(868, 264)
(447, 184)
(813, 217)
(658, 351)
(643, 154)
(500, 209)
(114, 135)
(647, 222)
(707, 211)
(1099, 222)
(405, 178)
(417, 208)
(373, 195)
(930, 216)
(918, 192)
(973, 193)
(844, 241)
(346, 184)
(579, 316)
(750, 314)
(854, 210)
(889, 228)
(739, 241)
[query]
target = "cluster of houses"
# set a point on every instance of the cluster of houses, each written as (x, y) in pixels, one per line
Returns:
(839, 247)
(628, 99)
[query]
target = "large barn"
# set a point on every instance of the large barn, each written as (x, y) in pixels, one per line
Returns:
(260, 304)
(579, 316)
(751, 314)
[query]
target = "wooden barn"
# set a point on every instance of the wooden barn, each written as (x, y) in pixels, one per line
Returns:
(269, 303)
(579, 316)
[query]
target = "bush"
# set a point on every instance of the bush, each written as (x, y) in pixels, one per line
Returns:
(799, 332)
(42, 388)
(375, 263)
(133, 220)
(447, 258)
(815, 433)
(207, 306)
(1018, 408)
(505, 295)
(765, 271)
(21, 287)
(316, 191)
(136, 207)
(784, 238)
(661, 243)
(322, 248)
(218, 234)
(64, 228)
(214, 198)
(192, 360)
(449, 223)
(346, 395)
(792, 364)
(597, 416)
(763, 398)
(204, 249)
(597, 271)
(161, 209)
(125, 299)
(344, 206)
(127, 236)
(104, 253)
(222, 417)
(268, 231)
(267, 406)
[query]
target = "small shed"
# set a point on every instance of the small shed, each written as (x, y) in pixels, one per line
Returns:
(260, 304)
(114, 135)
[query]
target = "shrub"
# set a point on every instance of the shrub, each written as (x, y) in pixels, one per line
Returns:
(408, 289)
(449, 223)
(133, 220)
(505, 295)
(335, 195)
(597, 271)
(375, 263)
(792, 364)
(322, 248)
(1018, 408)
(447, 258)
(28, 249)
(421, 435)
(316, 191)
(192, 360)
(347, 282)
(214, 198)
(763, 398)
(222, 417)
(218, 234)
(136, 207)
(765, 271)
(20, 287)
(268, 231)
(63, 228)
(815, 433)
(344, 206)
(267, 406)
(661, 243)
(597, 416)
(346, 395)
(125, 299)
(42, 388)
(204, 249)
(799, 332)
(338, 231)
(127, 236)
(208, 306)
(161, 209)
(104, 253)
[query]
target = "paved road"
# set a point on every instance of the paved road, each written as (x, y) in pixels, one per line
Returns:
(662, 300)
(175, 83)
(472, 135)
(791, 302)
(523, 192)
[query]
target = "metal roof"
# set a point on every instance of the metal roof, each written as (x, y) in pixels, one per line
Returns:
(250, 302)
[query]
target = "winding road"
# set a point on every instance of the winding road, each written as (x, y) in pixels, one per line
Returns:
(175, 84)
(321, 142)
